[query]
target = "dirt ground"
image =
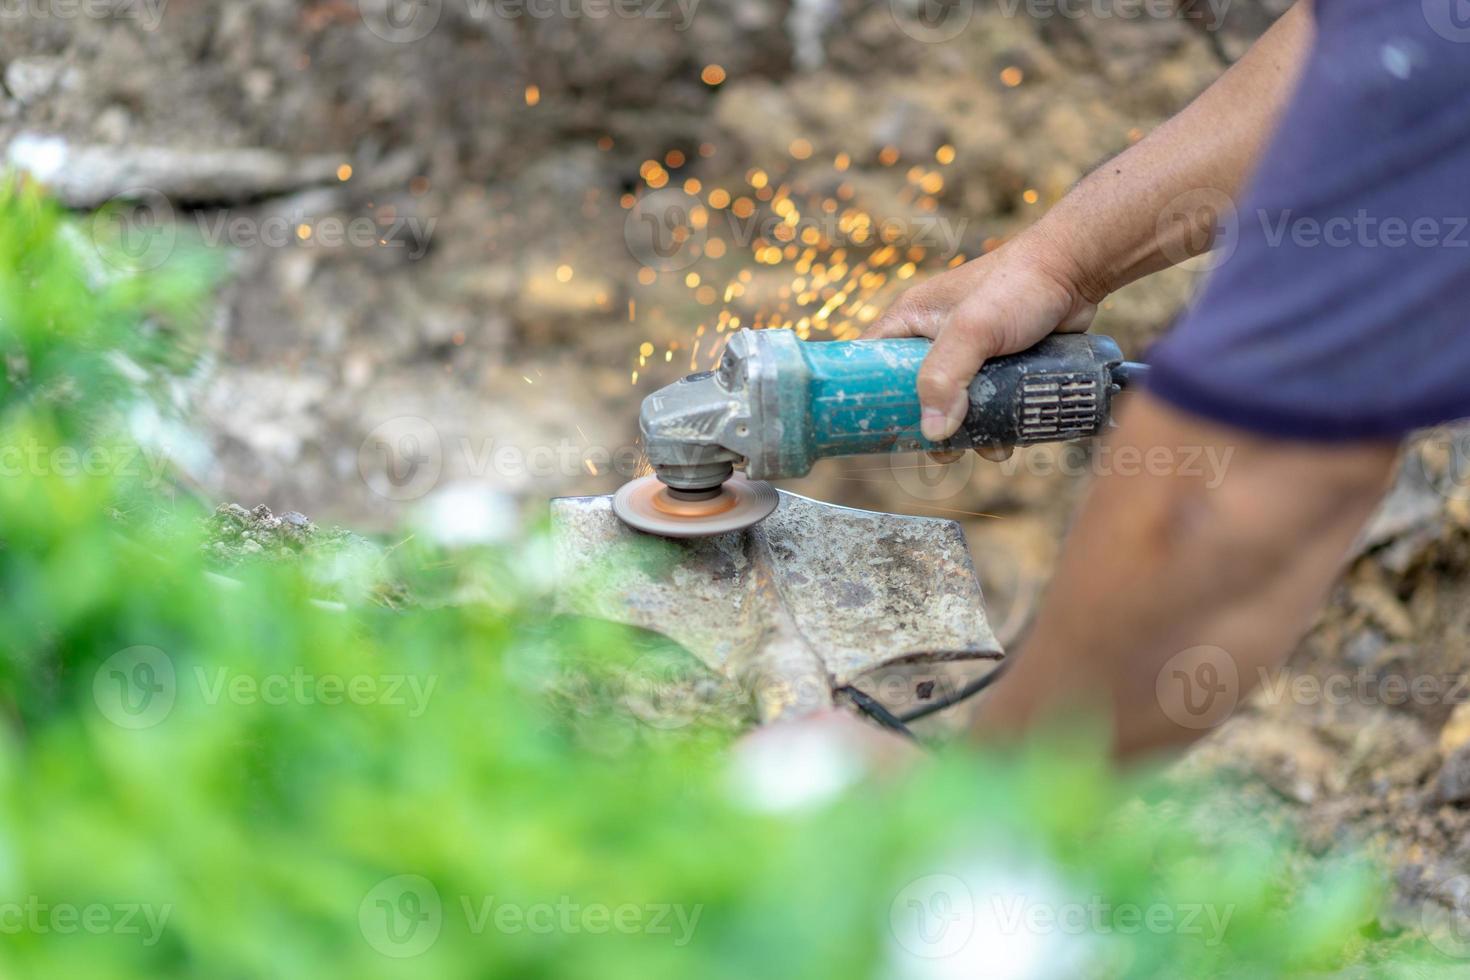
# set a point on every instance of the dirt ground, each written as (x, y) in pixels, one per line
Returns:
(486, 345)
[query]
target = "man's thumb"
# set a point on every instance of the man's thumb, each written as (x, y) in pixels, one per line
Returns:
(943, 406)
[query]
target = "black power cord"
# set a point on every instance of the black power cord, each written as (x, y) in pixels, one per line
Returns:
(899, 724)
(874, 709)
(968, 691)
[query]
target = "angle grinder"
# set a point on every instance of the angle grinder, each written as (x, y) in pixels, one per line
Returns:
(777, 404)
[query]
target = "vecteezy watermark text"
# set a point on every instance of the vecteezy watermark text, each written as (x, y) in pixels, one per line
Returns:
(36, 917)
(1198, 688)
(402, 916)
(139, 230)
(666, 230)
(137, 688)
(1205, 223)
(299, 686)
(943, 916)
(407, 21)
(406, 457)
(147, 14)
(936, 21)
(1363, 230)
(1364, 686)
(1212, 12)
(30, 457)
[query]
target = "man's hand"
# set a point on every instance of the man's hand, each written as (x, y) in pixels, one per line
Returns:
(998, 304)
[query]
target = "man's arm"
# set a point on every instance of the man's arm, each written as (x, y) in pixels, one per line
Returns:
(1120, 223)
(1173, 594)
(1171, 556)
(1111, 229)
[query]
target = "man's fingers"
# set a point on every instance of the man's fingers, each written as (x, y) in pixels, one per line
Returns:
(906, 318)
(885, 327)
(945, 456)
(996, 454)
(922, 310)
(945, 378)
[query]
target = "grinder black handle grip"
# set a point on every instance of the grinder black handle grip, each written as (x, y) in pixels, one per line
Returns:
(1060, 389)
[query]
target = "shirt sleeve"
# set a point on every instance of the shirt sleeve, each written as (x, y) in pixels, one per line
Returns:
(1340, 305)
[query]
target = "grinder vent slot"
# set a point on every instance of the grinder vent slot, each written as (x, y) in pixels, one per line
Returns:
(1058, 406)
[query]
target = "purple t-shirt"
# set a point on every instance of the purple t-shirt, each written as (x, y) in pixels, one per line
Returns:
(1340, 308)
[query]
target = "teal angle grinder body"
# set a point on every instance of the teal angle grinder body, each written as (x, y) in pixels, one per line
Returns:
(777, 404)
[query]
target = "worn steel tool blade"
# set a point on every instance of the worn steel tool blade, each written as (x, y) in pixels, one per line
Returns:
(805, 602)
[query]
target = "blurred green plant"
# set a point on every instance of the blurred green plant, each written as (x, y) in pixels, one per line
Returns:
(240, 775)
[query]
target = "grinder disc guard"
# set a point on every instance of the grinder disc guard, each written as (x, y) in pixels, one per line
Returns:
(648, 505)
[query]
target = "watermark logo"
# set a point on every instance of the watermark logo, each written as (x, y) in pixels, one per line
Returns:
(1200, 227)
(1441, 462)
(933, 917)
(134, 231)
(401, 916)
(662, 693)
(1449, 932)
(135, 688)
(929, 480)
(402, 458)
(401, 21)
(666, 230)
(1450, 19)
(1014, 922)
(932, 21)
(138, 687)
(1198, 688)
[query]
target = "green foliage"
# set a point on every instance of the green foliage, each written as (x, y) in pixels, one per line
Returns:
(219, 776)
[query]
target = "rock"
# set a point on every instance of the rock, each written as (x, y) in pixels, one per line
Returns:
(1370, 592)
(545, 294)
(1384, 746)
(31, 79)
(761, 115)
(113, 125)
(1364, 648)
(82, 175)
(910, 127)
(467, 513)
(236, 534)
(1456, 731)
(1452, 785)
(1411, 509)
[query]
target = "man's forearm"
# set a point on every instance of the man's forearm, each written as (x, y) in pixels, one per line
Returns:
(1116, 225)
(1169, 556)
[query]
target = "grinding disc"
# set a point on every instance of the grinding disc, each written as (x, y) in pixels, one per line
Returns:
(646, 504)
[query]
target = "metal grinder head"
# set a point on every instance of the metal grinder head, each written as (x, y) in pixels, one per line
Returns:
(652, 506)
(694, 433)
